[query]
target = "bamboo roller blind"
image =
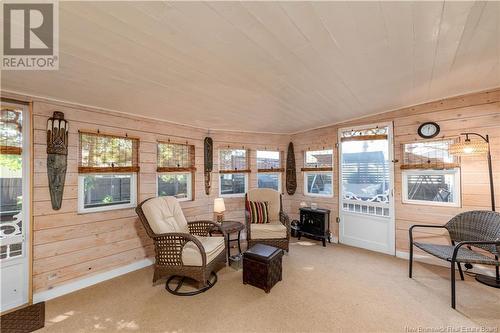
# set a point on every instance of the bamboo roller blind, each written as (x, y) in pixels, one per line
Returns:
(318, 160)
(172, 157)
(11, 130)
(269, 161)
(107, 153)
(429, 155)
(233, 160)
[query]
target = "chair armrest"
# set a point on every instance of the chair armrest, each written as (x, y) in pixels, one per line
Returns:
(460, 244)
(169, 246)
(422, 226)
(247, 224)
(285, 220)
(202, 227)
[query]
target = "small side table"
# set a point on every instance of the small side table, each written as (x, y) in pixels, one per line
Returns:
(228, 228)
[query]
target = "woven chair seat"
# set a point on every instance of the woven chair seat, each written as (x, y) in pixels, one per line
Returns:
(465, 255)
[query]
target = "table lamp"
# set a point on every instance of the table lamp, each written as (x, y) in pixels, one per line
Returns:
(219, 209)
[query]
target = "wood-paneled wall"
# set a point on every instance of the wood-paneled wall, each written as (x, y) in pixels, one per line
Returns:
(477, 112)
(69, 246)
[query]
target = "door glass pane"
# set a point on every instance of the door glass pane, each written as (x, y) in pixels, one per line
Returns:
(11, 184)
(365, 171)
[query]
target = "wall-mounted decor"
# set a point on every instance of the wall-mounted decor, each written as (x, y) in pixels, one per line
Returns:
(291, 176)
(57, 156)
(209, 164)
(428, 130)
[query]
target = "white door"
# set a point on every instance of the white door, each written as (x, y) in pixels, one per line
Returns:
(366, 197)
(14, 205)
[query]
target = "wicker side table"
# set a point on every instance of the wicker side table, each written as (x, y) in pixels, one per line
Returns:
(262, 267)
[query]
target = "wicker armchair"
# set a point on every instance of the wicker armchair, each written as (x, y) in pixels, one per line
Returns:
(277, 232)
(480, 229)
(182, 249)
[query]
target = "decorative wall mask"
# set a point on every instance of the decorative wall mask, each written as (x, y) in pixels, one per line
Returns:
(57, 156)
(209, 164)
(291, 176)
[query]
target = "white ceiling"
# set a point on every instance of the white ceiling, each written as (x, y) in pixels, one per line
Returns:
(267, 66)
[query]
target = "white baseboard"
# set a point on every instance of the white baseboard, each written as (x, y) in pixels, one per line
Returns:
(89, 281)
(428, 259)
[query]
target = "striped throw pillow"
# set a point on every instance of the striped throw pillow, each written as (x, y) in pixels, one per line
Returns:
(259, 211)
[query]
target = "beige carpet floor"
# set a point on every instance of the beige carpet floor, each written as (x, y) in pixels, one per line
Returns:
(337, 288)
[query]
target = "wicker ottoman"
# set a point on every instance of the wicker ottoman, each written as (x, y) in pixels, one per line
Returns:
(262, 266)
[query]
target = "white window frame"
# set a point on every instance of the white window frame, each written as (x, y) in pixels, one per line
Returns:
(306, 191)
(456, 190)
(189, 181)
(236, 195)
(81, 194)
(280, 177)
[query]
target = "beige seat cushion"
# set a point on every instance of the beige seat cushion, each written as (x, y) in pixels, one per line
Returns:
(271, 230)
(164, 214)
(213, 246)
(271, 196)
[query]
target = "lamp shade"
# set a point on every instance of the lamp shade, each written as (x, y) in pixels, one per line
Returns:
(219, 206)
(468, 147)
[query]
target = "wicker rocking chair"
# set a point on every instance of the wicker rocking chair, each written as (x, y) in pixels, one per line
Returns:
(182, 249)
(275, 233)
(480, 229)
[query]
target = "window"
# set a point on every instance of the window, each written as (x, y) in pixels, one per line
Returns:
(107, 167)
(233, 172)
(175, 170)
(318, 173)
(269, 169)
(430, 174)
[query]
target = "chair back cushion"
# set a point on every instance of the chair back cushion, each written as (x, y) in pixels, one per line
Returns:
(476, 225)
(258, 211)
(272, 197)
(164, 214)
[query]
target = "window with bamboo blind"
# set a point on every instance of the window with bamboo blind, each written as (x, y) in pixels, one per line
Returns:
(233, 172)
(269, 169)
(107, 153)
(431, 175)
(175, 167)
(108, 167)
(318, 172)
(429, 155)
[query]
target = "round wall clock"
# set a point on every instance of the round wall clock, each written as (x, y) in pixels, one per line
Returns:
(428, 130)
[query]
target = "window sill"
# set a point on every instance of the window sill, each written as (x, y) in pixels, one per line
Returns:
(431, 203)
(313, 195)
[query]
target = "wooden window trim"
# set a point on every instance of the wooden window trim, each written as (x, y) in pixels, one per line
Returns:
(316, 169)
(365, 137)
(11, 150)
(277, 170)
(235, 171)
(431, 166)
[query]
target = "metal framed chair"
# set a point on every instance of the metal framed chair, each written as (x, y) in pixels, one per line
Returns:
(182, 249)
(478, 229)
(275, 233)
